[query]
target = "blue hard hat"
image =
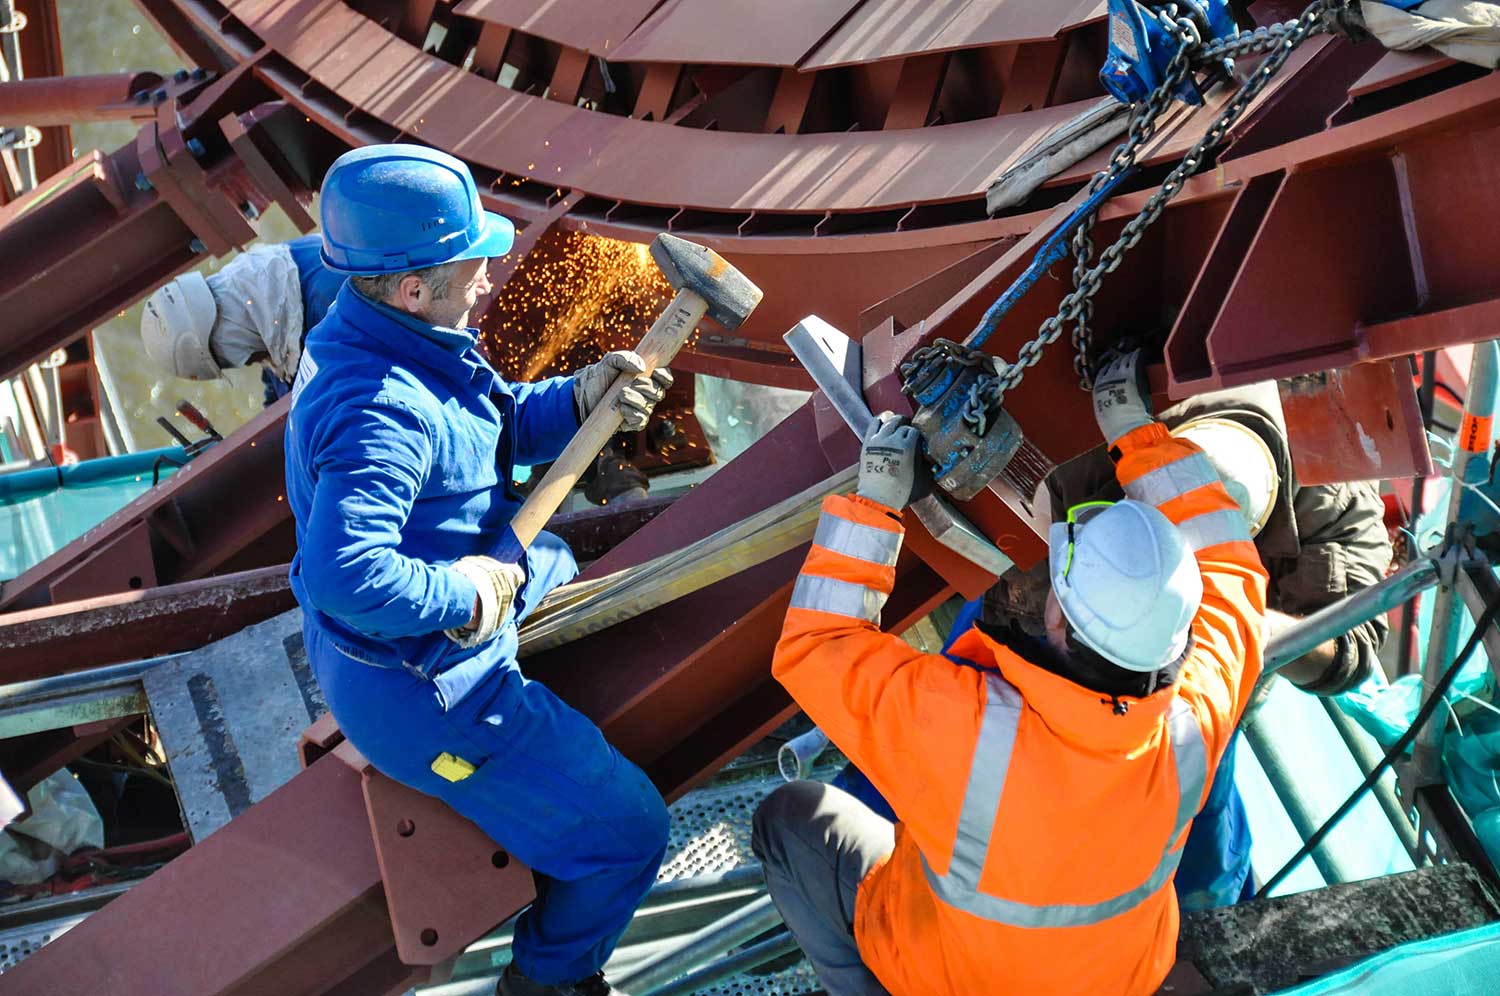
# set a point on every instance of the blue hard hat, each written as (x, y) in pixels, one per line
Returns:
(394, 208)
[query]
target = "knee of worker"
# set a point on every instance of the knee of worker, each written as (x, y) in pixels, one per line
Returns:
(646, 824)
(790, 807)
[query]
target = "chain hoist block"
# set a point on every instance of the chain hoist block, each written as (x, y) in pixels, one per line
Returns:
(1145, 37)
(968, 442)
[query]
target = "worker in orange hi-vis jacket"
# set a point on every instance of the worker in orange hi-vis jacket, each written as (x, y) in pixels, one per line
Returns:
(1043, 794)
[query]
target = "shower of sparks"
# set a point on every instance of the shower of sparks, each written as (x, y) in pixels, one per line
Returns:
(575, 298)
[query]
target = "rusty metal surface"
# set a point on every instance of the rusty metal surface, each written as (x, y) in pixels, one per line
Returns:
(444, 878)
(620, 158)
(749, 32)
(585, 24)
(135, 218)
(1356, 423)
(1395, 68)
(42, 56)
(93, 632)
(196, 523)
(885, 29)
(64, 100)
(322, 924)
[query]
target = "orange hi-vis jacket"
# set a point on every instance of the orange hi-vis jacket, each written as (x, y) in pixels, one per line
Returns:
(1038, 830)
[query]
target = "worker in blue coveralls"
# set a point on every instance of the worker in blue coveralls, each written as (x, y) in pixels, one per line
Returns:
(257, 309)
(399, 456)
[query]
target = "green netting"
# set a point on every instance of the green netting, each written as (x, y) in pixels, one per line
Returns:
(42, 510)
(1463, 964)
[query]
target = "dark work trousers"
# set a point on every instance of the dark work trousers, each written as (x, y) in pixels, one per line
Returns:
(817, 843)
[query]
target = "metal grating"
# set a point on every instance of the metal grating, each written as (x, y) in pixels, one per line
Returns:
(19, 942)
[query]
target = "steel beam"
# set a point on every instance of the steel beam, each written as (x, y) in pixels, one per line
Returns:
(134, 218)
(65, 100)
(74, 636)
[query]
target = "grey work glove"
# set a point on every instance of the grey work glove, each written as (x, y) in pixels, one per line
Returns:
(1122, 400)
(642, 394)
(888, 462)
(496, 583)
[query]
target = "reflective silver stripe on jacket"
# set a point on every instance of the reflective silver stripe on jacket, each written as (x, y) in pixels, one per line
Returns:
(1213, 528)
(976, 824)
(1176, 478)
(878, 546)
(838, 597)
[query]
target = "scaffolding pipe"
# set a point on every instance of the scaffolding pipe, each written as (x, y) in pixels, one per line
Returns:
(1470, 449)
(751, 957)
(1310, 632)
(702, 947)
(1366, 757)
(1281, 772)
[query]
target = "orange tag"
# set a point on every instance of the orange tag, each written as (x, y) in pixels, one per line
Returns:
(1474, 433)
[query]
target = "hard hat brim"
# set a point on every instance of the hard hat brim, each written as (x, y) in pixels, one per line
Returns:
(499, 235)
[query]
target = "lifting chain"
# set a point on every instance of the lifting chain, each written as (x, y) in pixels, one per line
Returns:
(1076, 309)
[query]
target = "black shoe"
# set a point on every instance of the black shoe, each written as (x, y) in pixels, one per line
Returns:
(513, 983)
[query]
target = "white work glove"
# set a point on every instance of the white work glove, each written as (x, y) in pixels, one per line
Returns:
(888, 462)
(635, 402)
(1122, 400)
(497, 583)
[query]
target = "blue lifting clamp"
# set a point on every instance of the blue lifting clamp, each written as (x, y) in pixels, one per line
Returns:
(1141, 46)
(968, 442)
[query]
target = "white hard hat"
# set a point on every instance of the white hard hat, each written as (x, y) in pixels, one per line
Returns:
(1244, 463)
(176, 325)
(1127, 581)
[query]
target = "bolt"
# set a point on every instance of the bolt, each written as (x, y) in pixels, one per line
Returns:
(142, 96)
(141, 182)
(158, 96)
(197, 246)
(196, 148)
(199, 74)
(180, 76)
(249, 210)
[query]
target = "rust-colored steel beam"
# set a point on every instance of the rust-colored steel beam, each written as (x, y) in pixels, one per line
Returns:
(223, 503)
(128, 625)
(93, 632)
(65, 100)
(133, 219)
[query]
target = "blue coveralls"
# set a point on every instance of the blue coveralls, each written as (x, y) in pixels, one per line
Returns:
(1215, 866)
(320, 286)
(400, 449)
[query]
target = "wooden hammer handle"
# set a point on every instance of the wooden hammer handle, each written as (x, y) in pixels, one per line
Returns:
(657, 348)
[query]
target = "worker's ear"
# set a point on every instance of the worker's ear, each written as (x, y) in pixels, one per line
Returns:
(412, 294)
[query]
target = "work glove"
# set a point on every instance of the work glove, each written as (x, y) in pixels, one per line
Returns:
(888, 462)
(635, 402)
(496, 583)
(1122, 399)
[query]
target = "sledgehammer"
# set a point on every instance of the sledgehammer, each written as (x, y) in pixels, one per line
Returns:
(706, 285)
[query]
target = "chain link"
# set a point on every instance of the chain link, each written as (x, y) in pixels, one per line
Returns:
(1076, 309)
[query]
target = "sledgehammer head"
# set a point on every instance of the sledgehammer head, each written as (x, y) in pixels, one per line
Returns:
(691, 267)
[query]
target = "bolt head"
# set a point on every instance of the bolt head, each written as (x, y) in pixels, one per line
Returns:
(199, 74)
(143, 96)
(141, 182)
(180, 76)
(197, 246)
(158, 96)
(196, 148)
